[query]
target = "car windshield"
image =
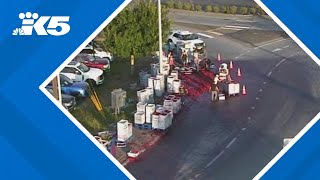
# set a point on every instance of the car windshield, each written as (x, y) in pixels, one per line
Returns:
(91, 58)
(188, 37)
(83, 68)
(65, 81)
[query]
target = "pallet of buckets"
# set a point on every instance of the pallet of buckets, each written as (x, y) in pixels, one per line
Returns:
(159, 117)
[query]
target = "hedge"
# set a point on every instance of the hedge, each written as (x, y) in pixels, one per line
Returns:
(216, 9)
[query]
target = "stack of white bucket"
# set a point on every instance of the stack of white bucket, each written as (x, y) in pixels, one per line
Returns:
(140, 115)
(144, 113)
(124, 130)
(157, 84)
(145, 95)
(173, 82)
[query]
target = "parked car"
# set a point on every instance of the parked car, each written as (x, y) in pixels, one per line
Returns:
(76, 89)
(68, 101)
(186, 37)
(97, 52)
(103, 64)
(78, 72)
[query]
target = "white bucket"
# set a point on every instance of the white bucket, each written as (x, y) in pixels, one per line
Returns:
(142, 96)
(141, 106)
(150, 109)
(149, 92)
(158, 90)
(155, 120)
(176, 85)
(139, 118)
(167, 102)
(170, 80)
(162, 121)
(150, 82)
(174, 73)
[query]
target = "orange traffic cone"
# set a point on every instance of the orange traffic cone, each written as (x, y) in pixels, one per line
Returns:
(231, 65)
(244, 92)
(219, 57)
(239, 72)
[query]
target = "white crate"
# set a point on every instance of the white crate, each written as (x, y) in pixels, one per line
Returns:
(233, 88)
(221, 97)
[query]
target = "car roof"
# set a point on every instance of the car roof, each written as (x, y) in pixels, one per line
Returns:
(182, 32)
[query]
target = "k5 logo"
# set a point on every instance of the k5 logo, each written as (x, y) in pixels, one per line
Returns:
(57, 26)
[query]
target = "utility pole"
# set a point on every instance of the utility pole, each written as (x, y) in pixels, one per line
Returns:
(56, 88)
(160, 38)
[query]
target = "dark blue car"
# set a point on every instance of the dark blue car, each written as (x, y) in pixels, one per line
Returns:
(76, 89)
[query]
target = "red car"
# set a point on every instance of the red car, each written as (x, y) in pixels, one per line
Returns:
(100, 63)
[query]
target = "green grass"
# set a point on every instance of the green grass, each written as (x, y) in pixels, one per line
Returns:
(120, 76)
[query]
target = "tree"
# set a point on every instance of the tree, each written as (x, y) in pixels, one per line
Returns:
(252, 10)
(187, 6)
(216, 9)
(233, 9)
(198, 7)
(243, 10)
(208, 8)
(135, 29)
(170, 4)
(223, 9)
(179, 5)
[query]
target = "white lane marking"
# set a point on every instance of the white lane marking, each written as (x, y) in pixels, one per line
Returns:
(260, 90)
(231, 28)
(249, 118)
(243, 129)
(238, 27)
(257, 98)
(262, 45)
(205, 35)
(216, 33)
(277, 49)
(197, 175)
(271, 42)
(231, 142)
(253, 108)
(243, 54)
(243, 20)
(285, 46)
(214, 159)
(264, 82)
(278, 64)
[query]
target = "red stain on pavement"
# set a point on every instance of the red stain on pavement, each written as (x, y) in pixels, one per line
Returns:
(197, 83)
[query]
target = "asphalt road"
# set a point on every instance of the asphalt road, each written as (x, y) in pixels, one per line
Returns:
(235, 139)
(224, 20)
